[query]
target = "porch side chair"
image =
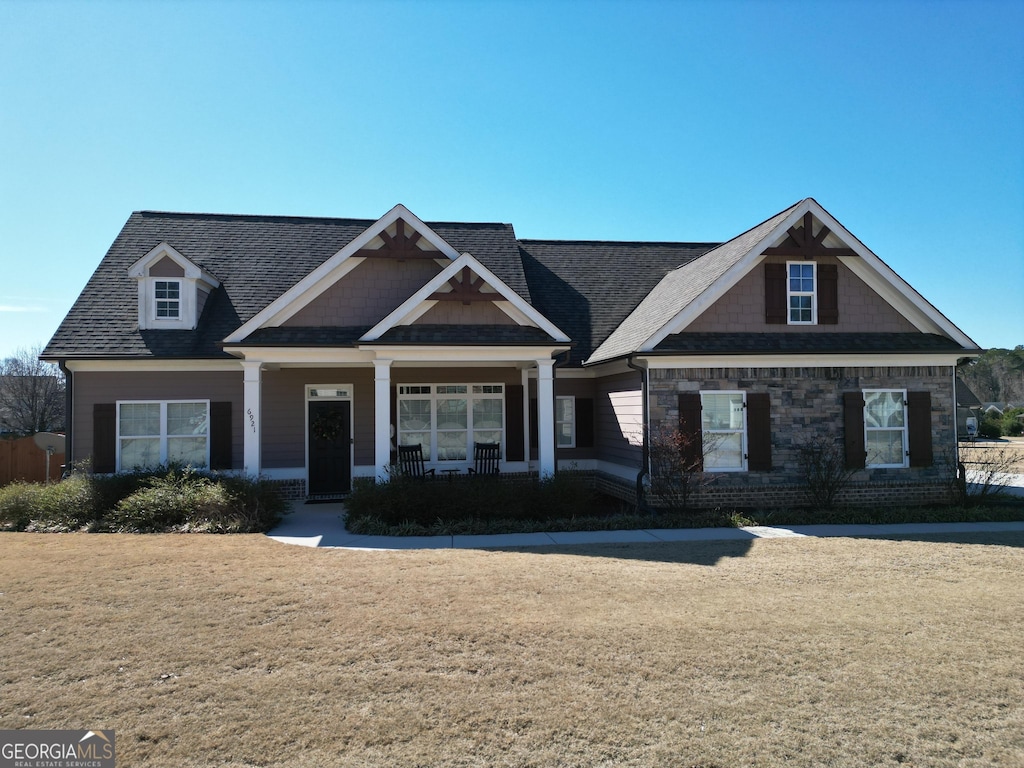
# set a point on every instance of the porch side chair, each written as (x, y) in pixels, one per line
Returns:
(410, 462)
(486, 459)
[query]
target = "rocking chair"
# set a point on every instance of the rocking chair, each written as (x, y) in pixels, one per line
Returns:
(410, 462)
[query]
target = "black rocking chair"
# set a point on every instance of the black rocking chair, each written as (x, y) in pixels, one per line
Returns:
(486, 458)
(410, 462)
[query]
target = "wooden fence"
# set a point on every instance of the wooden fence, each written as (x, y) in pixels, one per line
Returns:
(21, 459)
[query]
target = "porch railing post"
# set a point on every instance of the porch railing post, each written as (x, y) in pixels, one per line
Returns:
(546, 417)
(252, 381)
(382, 417)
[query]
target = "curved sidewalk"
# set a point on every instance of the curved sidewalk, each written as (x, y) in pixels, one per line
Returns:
(322, 525)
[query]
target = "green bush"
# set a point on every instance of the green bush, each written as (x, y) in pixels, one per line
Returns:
(410, 504)
(168, 499)
(990, 427)
(18, 503)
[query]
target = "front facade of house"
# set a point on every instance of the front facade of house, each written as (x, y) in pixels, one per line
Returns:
(306, 350)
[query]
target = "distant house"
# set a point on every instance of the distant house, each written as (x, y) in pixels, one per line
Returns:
(967, 406)
(305, 349)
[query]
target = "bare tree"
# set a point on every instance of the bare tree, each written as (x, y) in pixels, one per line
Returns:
(677, 468)
(31, 394)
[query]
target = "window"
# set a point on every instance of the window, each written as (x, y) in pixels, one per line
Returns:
(800, 293)
(152, 433)
(446, 419)
(885, 427)
(565, 422)
(723, 428)
(167, 295)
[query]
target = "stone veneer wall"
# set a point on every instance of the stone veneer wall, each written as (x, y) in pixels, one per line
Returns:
(806, 402)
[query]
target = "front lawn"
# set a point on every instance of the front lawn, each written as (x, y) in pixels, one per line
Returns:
(239, 651)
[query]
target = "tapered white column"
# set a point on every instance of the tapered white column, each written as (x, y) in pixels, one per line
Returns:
(252, 381)
(546, 417)
(382, 418)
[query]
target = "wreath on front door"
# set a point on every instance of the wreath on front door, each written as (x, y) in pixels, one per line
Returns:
(327, 426)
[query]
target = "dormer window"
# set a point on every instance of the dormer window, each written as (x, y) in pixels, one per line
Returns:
(168, 299)
(172, 289)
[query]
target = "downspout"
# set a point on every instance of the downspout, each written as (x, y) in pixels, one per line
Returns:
(68, 420)
(645, 411)
(554, 393)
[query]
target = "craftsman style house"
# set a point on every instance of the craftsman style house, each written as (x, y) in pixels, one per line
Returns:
(306, 350)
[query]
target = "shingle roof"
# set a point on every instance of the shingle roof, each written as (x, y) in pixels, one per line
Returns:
(256, 258)
(460, 335)
(609, 297)
(587, 288)
(678, 288)
(796, 342)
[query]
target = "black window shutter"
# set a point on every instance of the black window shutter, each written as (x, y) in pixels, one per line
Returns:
(514, 438)
(853, 429)
(775, 294)
(104, 437)
(759, 432)
(919, 428)
(828, 294)
(584, 422)
(220, 436)
(691, 444)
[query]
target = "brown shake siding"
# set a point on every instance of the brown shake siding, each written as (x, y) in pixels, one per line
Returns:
(742, 309)
(166, 267)
(457, 313)
(367, 294)
(215, 386)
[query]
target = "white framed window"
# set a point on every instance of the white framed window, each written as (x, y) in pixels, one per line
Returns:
(446, 419)
(565, 421)
(155, 432)
(724, 431)
(885, 428)
(801, 298)
(167, 299)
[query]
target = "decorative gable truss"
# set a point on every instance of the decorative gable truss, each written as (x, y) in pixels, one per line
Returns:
(172, 289)
(683, 295)
(804, 291)
(466, 280)
(398, 235)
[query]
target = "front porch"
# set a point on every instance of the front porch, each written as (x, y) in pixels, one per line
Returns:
(319, 421)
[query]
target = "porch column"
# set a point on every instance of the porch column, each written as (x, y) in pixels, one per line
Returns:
(546, 417)
(252, 380)
(382, 418)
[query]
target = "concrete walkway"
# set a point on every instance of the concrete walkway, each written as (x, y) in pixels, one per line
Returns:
(323, 525)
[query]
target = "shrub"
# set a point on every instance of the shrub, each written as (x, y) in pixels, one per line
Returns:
(822, 461)
(990, 427)
(437, 505)
(196, 501)
(18, 503)
(171, 498)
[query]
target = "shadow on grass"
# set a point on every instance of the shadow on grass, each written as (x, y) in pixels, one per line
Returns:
(707, 553)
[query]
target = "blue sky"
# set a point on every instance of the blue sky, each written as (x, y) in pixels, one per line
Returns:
(604, 120)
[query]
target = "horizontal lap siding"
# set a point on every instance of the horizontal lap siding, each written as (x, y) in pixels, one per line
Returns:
(619, 412)
(284, 413)
(92, 388)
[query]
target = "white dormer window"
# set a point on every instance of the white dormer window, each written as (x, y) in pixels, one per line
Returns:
(172, 289)
(167, 299)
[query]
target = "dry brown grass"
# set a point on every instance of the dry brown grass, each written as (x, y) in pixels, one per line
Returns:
(238, 651)
(1008, 453)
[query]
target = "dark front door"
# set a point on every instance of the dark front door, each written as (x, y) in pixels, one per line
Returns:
(330, 447)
